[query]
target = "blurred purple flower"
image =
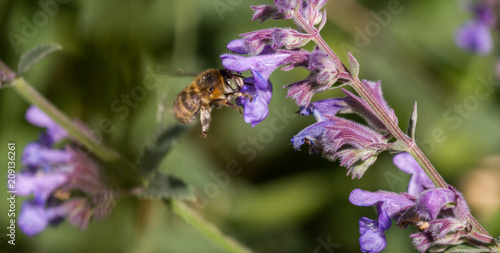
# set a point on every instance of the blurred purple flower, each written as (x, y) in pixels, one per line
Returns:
(51, 175)
(475, 35)
(38, 118)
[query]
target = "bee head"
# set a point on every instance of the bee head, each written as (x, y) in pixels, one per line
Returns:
(232, 79)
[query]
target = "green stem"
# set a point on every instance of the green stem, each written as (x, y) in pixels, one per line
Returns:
(206, 228)
(80, 134)
(393, 128)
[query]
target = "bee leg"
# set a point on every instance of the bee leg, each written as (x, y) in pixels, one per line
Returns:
(246, 95)
(205, 119)
(229, 104)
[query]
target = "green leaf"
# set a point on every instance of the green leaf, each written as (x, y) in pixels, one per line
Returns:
(35, 55)
(354, 65)
(162, 186)
(410, 131)
(154, 154)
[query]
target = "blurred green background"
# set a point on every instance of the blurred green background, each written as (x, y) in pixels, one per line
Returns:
(282, 200)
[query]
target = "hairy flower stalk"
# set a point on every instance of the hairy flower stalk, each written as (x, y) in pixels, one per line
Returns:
(355, 145)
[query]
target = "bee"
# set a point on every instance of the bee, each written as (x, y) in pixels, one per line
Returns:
(211, 88)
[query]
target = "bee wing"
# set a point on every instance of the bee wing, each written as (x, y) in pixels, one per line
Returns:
(173, 72)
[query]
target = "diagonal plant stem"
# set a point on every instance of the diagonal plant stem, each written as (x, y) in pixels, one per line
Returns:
(362, 90)
(206, 228)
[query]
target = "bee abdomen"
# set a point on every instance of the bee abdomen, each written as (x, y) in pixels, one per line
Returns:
(186, 106)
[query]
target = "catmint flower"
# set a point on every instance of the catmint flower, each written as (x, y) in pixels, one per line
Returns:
(258, 86)
(324, 73)
(256, 42)
(268, 49)
(38, 118)
(475, 35)
(256, 108)
(264, 64)
(356, 146)
(52, 175)
(287, 7)
(264, 12)
(310, 10)
(360, 107)
(419, 180)
(440, 214)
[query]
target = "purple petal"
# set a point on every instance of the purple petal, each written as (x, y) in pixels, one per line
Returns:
(360, 107)
(384, 221)
(430, 202)
(323, 108)
(376, 90)
(301, 91)
(38, 118)
(372, 238)
(484, 13)
(264, 64)
(35, 154)
(475, 37)
(256, 110)
(237, 46)
(311, 133)
(32, 219)
(263, 12)
(419, 180)
(392, 203)
(40, 184)
(287, 7)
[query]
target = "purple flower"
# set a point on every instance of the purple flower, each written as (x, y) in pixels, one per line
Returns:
(440, 214)
(38, 118)
(323, 108)
(264, 12)
(475, 35)
(388, 204)
(311, 11)
(256, 108)
(323, 74)
(40, 184)
(372, 237)
(355, 145)
(419, 180)
(360, 107)
(52, 175)
(287, 7)
(258, 86)
(264, 64)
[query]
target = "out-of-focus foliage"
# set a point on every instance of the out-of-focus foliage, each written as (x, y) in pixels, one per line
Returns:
(112, 74)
